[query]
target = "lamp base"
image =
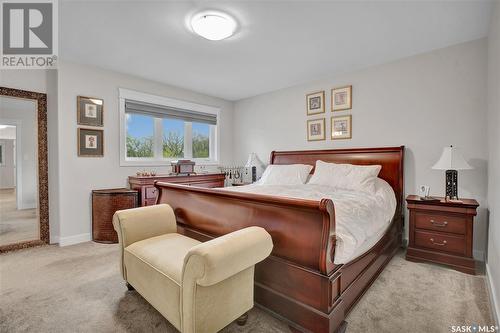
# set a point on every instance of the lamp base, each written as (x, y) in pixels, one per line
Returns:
(452, 184)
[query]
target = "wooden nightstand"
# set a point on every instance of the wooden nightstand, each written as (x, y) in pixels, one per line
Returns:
(441, 232)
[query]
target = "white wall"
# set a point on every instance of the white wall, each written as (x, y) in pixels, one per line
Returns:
(7, 169)
(424, 102)
(80, 175)
(44, 81)
(23, 114)
(493, 262)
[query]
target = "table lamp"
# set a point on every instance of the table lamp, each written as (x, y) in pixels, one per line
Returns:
(257, 166)
(451, 160)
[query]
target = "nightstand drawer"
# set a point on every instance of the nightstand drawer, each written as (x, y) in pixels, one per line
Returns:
(442, 242)
(438, 222)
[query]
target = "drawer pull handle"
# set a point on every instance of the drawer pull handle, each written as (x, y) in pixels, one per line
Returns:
(437, 224)
(440, 244)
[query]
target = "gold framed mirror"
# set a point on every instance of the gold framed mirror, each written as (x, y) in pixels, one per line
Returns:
(24, 202)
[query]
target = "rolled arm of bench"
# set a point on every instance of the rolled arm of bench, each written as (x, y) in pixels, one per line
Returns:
(220, 258)
(133, 225)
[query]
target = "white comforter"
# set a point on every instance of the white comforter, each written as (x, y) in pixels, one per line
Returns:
(361, 219)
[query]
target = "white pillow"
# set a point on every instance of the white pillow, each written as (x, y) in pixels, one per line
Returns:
(346, 176)
(292, 174)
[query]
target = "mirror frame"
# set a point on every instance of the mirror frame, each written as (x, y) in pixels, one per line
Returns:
(43, 179)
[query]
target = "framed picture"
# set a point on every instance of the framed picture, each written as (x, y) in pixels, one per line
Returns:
(90, 142)
(315, 103)
(341, 127)
(316, 129)
(424, 190)
(342, 98)
(90, 111)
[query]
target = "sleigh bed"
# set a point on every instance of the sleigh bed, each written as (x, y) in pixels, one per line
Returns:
(299, 282)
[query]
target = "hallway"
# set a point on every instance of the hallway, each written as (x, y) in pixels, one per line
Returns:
(16, 225)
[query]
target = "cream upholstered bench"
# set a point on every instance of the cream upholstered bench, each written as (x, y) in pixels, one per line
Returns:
(197, 287)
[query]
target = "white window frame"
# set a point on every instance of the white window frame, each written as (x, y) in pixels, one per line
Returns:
(213, 159)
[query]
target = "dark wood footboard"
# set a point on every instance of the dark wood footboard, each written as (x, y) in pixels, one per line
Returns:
(309, 224)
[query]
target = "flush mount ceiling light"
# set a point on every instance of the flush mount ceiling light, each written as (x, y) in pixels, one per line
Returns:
(213, 25)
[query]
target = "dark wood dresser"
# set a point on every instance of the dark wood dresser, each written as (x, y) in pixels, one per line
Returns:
(442, 232)
(148, 193)
(104, 205)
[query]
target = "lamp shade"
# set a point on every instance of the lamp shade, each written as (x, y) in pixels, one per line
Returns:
(451, 159)
(254, 161)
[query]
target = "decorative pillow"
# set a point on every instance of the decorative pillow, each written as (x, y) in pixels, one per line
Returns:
(346, 176)
(292, 174)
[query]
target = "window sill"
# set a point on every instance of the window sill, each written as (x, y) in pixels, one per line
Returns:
(163, 163)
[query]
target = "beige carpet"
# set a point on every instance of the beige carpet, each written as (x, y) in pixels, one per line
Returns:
(16, 225)
(79, 289)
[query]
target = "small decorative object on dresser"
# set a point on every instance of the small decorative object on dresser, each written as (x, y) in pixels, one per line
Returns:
(104, 204)
(90, 111)
(316, 129)
(451, 160)
(442, 232)
(423, 191)
(341, 127)
(185, 167)
(342, 98)
(315, 103)
(90, 142)
(148, 193)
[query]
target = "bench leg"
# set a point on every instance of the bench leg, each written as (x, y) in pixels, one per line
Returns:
(242, 320)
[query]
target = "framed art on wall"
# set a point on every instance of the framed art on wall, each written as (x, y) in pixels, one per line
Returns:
(342, 98)
(315, 103)
(316, 129)
(90, 142)
(90, 111)
(341, 127)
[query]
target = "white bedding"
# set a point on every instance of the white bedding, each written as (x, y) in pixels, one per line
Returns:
(361, 219)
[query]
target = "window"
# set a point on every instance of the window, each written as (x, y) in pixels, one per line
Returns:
(173, 138)
(140, 134)
(201, 140)
(157, 130)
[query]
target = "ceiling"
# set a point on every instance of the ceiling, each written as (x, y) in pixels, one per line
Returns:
(278, 44)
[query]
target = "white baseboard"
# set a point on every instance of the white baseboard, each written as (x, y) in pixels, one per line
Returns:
(495, 303)
(70, 240)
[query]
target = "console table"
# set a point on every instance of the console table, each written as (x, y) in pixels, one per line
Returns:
(148, 193)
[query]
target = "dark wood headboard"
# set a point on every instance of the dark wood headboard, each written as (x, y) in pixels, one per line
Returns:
(390, 158)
